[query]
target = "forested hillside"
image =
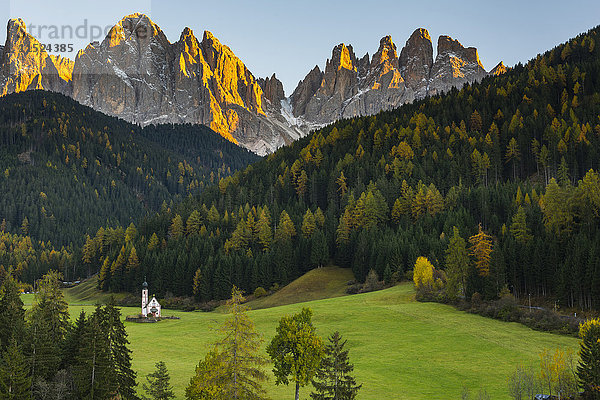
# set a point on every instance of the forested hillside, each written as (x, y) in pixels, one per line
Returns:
(516, 153)
(67, 170)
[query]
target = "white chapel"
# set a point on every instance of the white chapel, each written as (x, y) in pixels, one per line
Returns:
(149, 308)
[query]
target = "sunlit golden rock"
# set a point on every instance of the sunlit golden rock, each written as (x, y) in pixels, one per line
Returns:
(138, 75)
(26, 65)
(499, 69)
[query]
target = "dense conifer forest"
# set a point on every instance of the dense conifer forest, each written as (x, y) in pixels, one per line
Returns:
(516, 155)
(68, 170)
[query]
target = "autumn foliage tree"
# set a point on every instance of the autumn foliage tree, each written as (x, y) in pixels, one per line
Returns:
(481, 249)
(233, 368)
(457, 265)
(296, 350)
(240, 362)
(588, 369)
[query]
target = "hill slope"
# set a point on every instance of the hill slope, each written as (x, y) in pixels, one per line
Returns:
(320, 283)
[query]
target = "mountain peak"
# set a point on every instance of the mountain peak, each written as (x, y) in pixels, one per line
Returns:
(213, 49)
(386, 52)
(499, 69)
(187, 32)
(26, 65)
(136, 15)
(343, 56)
(448, 45)
(273, 90)
(208, 35)
(416, 60)
(136, 26)
(421, 33)
(16, 23)
(305, 90)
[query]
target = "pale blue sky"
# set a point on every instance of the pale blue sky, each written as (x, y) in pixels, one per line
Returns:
(290, 38)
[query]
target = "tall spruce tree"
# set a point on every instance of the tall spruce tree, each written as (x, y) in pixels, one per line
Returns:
(120, 355)
(73, 340)
(51, 306)
(12, 313)
(91, 371)
(333, 380)
(48, 323)
(158, 385)
(103, 361)
(15, 382)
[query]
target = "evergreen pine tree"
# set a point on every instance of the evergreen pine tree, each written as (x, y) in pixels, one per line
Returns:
(48, 323)
(11, 313)
(159, 385)
(457, 265)
(124, 376)
(319, 252)
(15, 383)
(91, 371)
(333, 380)
(73, 341)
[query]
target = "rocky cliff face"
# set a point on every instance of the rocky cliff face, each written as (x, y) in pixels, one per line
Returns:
(416, 60)
(272, 90)
(26, 65)
(351, 87)
(135, 73)
(138, 75)
(454, 66)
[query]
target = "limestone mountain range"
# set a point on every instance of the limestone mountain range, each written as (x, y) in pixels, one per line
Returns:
(137, 74)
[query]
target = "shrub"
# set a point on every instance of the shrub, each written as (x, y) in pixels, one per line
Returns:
(476, 300)
(372, 282)
(260, 292)
(354, 289)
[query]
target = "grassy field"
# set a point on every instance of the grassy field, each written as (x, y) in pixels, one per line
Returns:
(401, 349)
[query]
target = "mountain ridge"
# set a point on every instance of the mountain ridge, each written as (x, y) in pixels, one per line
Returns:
(137, 74)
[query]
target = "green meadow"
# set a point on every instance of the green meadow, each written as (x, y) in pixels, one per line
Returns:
(401, 349)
